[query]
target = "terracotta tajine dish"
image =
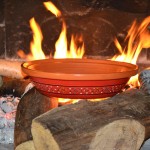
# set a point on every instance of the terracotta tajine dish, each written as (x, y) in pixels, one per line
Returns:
(79, 78)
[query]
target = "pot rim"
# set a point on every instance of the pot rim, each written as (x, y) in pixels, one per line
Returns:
(79, 69)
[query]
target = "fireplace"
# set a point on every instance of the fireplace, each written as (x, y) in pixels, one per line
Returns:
(106, 21)
(98, 21)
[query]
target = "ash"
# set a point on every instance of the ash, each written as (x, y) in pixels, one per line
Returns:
(8, 108)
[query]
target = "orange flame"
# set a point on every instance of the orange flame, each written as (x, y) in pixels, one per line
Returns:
(35, 45)
(52, 8)
(61, 45)
(138, 38)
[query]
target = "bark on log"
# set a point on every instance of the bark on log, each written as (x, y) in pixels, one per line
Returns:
(30, 106)
(13, 86)
(121, 122)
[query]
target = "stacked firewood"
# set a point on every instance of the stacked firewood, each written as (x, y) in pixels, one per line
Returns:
(120, 122)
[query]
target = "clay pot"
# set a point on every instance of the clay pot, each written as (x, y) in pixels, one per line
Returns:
(79, 78)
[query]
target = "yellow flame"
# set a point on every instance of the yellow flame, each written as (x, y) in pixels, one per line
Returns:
(63, 101)
(138, 38)
(36, 44)
(76, 52)
(52, 8)
(61, 45)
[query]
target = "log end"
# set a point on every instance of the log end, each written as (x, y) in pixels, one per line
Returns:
(121, 134)
(42, 137)
(29, 145)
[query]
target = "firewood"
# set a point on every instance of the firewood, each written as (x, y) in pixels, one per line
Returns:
(30, 106)
(29, 145)
(1, 81)
(126, 133)
(13, 86)
(144, 78)
(121, 122)
(11, 68)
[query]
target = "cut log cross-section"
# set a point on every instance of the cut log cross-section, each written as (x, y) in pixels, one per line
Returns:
(121, 122)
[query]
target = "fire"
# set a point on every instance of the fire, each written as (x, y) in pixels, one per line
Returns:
(64, 101)
(138, 38)
(52, 8)
(35, 45)
(61, 45)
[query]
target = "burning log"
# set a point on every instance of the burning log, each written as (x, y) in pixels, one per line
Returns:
(11, 68)
(120, 122)
(13, 86)
(30, 106)
(144, 79)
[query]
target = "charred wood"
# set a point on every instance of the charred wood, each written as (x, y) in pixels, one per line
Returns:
(13, 86)
(144, 78)
(30, 106)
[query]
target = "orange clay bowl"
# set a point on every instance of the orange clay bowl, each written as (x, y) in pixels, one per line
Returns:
(79, 78)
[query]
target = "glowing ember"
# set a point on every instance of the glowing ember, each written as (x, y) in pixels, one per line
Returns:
(138, 38)
(61, 45)
(63, 101)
